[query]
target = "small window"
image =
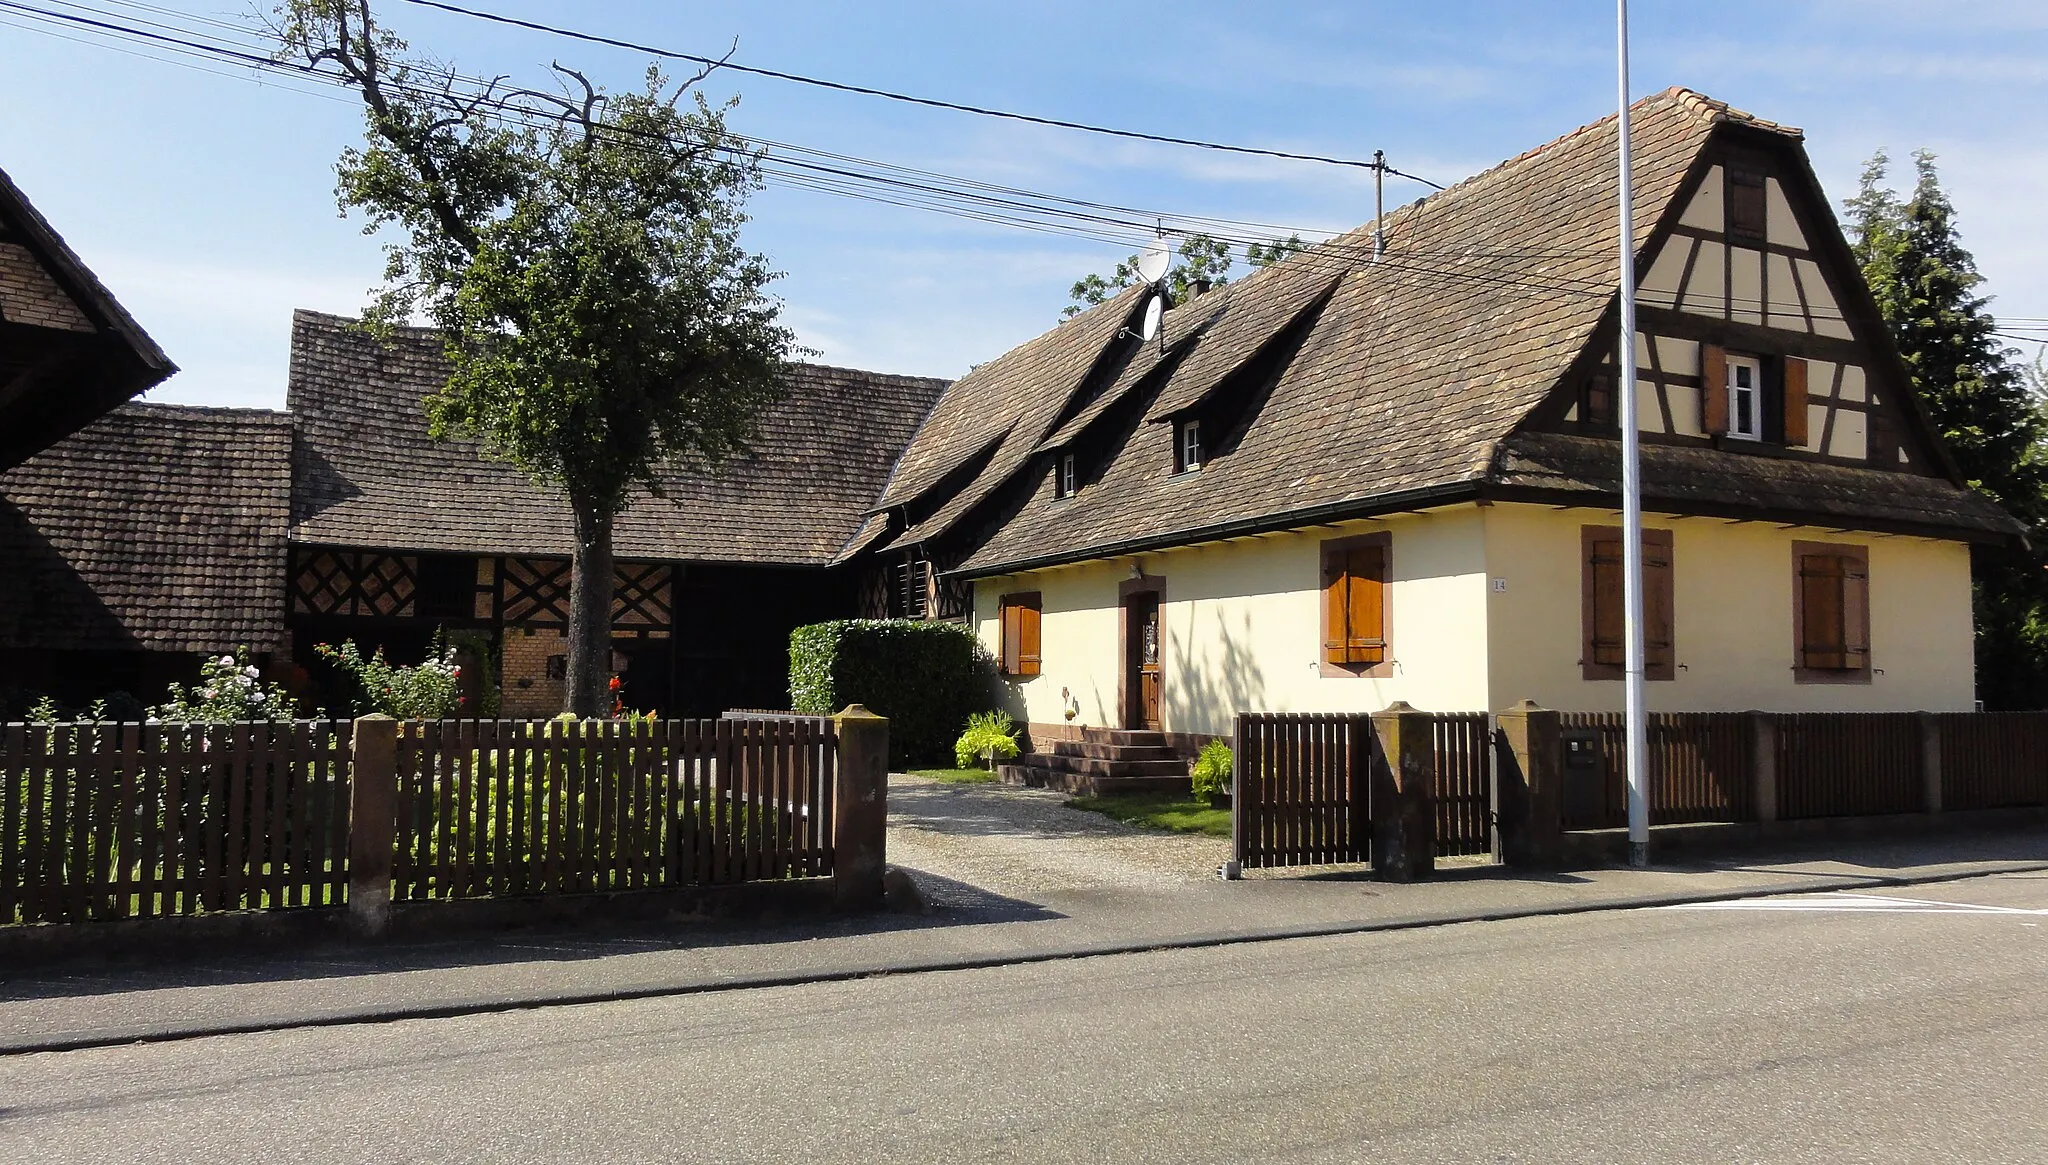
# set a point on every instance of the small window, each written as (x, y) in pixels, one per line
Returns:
(1745, 398)
(1746, 204)
(1355, 582)
(1596, 402)
(1020, 616)
(1063, 481)
(1831, 613)
(1187, 454)
(1602, 626)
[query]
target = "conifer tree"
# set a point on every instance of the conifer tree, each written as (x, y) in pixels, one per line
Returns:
(1924, 282)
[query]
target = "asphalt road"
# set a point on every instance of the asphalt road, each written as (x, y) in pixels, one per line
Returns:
(1825, 1028)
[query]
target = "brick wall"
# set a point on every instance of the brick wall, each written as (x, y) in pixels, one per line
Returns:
(525, 691)
(29, 296)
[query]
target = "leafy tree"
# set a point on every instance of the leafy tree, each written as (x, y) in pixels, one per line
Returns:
(1978, 397)
(601, 317)
(1203, 259)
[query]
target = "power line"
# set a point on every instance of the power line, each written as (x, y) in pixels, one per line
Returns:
(931, 102)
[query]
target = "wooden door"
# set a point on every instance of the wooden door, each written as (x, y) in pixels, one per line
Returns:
(1141, 661)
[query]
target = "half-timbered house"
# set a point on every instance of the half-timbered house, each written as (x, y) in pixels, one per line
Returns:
(1353, 477)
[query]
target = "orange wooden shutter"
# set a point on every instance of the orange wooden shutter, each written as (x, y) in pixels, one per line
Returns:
(1822, 643)
(1365, 637)
(1012, 640)
(1336, 607)
(1603, 578)
(1028, 662)
(1713, 390)
(1795, 401)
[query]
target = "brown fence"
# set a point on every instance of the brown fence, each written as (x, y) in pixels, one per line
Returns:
(511, 808)
(1702, 768)
(1464, 783)
(1993, 760)
(1303, 789)
(1842, 764)
(102, 821)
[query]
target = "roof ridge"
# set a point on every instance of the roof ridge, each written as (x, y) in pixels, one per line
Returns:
(165, 407)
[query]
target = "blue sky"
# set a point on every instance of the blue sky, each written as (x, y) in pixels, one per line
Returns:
(206, 202)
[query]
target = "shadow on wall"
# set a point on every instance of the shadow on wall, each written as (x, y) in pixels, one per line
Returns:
(1207, 697)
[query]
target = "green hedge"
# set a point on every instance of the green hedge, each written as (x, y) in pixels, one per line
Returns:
(927, 678)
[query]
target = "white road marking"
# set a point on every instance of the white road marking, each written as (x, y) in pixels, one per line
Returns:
(1843, 902)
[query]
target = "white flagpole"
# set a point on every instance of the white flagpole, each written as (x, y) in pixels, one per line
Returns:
(1635, 718)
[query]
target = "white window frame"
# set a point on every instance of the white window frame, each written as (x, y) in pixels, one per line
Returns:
(1190, 445)
(1755, 392)
(1063, 477)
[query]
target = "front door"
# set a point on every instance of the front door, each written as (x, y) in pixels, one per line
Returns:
(1141, 661)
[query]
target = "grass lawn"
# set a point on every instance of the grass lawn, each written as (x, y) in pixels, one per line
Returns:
(956, 776)
(1159, 811)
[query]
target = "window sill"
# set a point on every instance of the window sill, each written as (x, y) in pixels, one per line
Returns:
(1594, 672)
(1830, 675)
(1359, 671)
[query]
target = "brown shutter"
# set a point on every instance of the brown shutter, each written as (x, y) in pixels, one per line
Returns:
(1855, 612)
(1659, 658)
(1010, 637)
(1028, 661)
(1795, 401)
(1602, 579)
(1713, 390)
(1821, 609)
(1365, 638)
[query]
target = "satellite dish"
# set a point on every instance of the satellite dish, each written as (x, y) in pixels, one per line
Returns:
(1154, 309)
(1153, 261)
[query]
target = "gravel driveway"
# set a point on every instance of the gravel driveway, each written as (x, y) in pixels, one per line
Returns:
(1024, 843)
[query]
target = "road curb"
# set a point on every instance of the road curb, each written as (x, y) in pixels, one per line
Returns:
(486, 1005)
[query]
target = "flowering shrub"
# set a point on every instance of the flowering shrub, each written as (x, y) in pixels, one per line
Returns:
(229, 689)
(423, 691)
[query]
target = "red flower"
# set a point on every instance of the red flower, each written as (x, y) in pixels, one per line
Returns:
(615, 683)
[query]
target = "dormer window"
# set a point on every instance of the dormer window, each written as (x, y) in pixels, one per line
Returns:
(1745, 398)
(1064, 482)
(1187, 446)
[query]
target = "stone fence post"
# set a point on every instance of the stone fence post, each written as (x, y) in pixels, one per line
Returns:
(1528, 790)
(860, 811)
(372, 822)
(1404, 798)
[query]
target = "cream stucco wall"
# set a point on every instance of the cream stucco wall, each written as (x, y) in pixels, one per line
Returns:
(1241, 628)
(1732, 612)
(1240, 622)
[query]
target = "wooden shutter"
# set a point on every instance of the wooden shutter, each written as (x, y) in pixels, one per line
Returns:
(1355, 604)
(1020, 635)
(1365, 640)
(1028, 662)
(1822, 607)
(1713, 390)
(1602, 580)
(1855, 612)
(1795, 401)
(1659, 654)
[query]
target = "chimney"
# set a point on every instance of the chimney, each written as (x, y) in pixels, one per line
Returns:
(1199, 287)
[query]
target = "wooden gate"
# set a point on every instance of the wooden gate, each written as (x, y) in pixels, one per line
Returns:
(1303, 789)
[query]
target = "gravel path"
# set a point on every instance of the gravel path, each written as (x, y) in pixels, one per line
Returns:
(1025, 843)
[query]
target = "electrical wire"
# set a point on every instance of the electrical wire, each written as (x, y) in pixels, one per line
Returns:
(934, 103)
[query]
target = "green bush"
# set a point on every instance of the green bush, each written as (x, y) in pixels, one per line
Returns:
(927, 678)
(1212, 771)
(990, 737)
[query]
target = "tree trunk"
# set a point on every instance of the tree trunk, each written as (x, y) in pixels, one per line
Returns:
(590, 615)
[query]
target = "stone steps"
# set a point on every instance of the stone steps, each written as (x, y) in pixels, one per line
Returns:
(1104, 761)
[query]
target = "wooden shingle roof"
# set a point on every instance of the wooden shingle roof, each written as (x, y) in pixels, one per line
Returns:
(366, 473)
(156, 527)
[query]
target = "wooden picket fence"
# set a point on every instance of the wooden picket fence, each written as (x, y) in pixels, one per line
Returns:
(502, 808)
(1464, 783)
(1702, 768)
(107, 821)
(1303, 789)
(1993, 760)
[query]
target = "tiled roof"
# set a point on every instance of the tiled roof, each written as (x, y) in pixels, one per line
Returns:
(1419, 363)
(119, 360)
(158, 526)
(1694, 480)
(368, 475)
